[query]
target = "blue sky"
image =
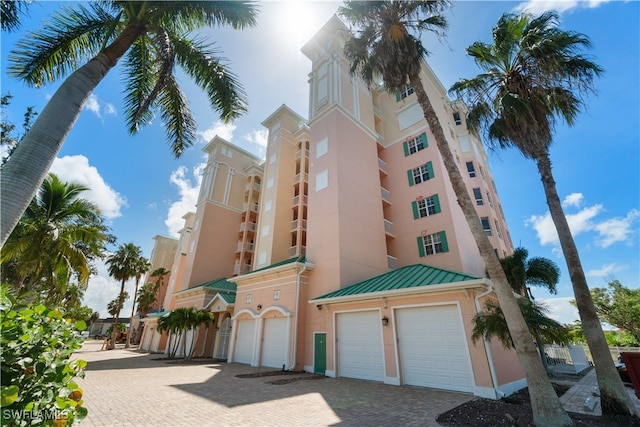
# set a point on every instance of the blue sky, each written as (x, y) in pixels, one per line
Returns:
(144, 191)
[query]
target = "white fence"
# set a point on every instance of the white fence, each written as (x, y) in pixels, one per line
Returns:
(570, 359)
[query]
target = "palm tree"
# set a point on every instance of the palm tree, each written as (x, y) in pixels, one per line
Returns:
(146, 298)
(122, 266)
(57, 238)
(142, 266)
(159, 273)
(533, 75)
(11, 13)
(154, 37)
(182, 323)
(522, 273)
(385, 47)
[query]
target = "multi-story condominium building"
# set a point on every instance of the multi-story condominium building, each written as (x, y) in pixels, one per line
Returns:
(345, 252)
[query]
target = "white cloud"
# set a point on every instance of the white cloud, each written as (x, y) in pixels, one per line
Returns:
(223, 130)
(609, 231)
(102, 289)
(561, 310)
(188, 192)
(573, 199)
(77, 169)
(605, 271)
(537, 7)
(97, 108)
(258, 139)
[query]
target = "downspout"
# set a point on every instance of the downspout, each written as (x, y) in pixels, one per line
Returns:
(487, 348)
(297, 319)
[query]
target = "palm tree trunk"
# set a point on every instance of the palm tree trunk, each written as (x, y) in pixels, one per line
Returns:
(30, 162)
(116, 318)
(613, 397)
(133, 312)
(546, 406)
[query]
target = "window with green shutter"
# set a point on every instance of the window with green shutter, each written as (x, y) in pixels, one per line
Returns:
(420, 174)
(426, 206)
(412, 146)
(431, 244)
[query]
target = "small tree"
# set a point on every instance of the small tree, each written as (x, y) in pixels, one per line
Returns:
(619, 306)
(37, 375)
(182, 323)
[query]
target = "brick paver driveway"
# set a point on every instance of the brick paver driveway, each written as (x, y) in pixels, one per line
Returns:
(127, 388)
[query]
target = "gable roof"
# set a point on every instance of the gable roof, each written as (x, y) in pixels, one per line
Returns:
(222, 285)
(401, 280)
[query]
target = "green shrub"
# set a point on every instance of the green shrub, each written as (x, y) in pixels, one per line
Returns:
(37, 375)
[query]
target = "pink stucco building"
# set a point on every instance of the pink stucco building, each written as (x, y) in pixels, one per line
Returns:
(344, 251)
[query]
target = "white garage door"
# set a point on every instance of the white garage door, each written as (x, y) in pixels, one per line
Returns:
(432, 347)
(244, 342)
(360, 346)
(274, 343)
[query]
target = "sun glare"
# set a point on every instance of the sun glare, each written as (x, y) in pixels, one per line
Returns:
(298, 21)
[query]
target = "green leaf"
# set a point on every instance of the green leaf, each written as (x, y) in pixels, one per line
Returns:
(9, 395)
(81, 412)
(81, 325)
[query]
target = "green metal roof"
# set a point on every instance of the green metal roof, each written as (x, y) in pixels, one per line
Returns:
(222, 285)
(411, 276)
(229, 298)
(278, 264)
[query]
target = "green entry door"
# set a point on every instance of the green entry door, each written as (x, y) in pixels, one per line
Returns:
(320, 353)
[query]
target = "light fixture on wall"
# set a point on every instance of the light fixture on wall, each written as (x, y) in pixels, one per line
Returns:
(385, 320)
(259, 307)
(319, 306)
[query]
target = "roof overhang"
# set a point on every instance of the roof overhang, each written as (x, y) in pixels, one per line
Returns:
(465, 285)
(292, 266)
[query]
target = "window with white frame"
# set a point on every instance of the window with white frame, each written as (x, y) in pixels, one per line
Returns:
(416, 144)
(471, 169)
(457, 119)
(431, 244)
(486, 226)
(404, 92)
(248, 299)
(276, 295)
(426, 206)
(477, 194)
(420, 174)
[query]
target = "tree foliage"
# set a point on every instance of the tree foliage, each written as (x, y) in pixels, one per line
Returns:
(181, 324)
(619, 306)
(38, 386)
(9, 135)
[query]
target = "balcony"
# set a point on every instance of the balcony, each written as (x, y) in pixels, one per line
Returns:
(247, 247)
(299, 153)
(382, 166)
(254, 207)
(293, 251)
(386, 196)
(392, 262)
(296, 200)
(301, 177)
(255, 186)
(388, 228)
(241, 268)
(249, 226)
(297, 223)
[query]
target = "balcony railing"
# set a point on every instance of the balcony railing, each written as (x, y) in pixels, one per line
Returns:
(256, 187)
(293, 251)
(250, 226)
(297, 223)
(255, 207)
(386, 196)
(392, 262)
(299, 153)
(301, 177)
(241, 268)
(296, 200)
(388, 227)
(248, 247)
(382, 165)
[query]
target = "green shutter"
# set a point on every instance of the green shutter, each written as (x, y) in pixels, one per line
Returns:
(398, 96)
(406, 148)
(421, 246)
(430, 170)
(416, 214)
(424, 140)
(436, 203)
(410, 176)
(443, 239)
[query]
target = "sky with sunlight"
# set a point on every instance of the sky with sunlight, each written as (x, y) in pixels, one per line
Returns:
(144, 191)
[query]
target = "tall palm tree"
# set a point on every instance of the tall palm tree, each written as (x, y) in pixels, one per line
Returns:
(387, 45)
(57, 238)
(142, 266)
(122, 266)
(533, 75)
(154, 37)
(12, 11)
(523, 272)
(146, 298)
(159, 273)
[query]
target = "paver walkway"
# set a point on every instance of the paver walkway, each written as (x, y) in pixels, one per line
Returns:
(127, 388)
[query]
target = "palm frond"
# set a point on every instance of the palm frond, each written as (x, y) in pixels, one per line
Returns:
(176, 117)
(73, 36)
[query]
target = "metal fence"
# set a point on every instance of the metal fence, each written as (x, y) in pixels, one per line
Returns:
(566, 359)
(615, 352)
